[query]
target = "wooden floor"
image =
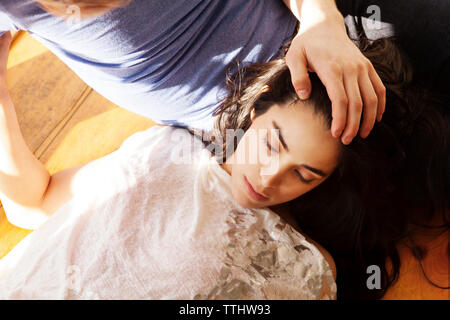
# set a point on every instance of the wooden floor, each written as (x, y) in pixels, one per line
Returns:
(66, 123)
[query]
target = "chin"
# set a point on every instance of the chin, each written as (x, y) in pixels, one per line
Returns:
(246, 203)
(243, 201)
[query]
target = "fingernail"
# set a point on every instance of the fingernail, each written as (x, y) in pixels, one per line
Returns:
(336, 133)
(303, 94)
(347, 140)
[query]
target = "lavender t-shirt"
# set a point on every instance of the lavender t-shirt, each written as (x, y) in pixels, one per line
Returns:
(165, 60)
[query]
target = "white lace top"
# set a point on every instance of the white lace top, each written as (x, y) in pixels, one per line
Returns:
(156, 220)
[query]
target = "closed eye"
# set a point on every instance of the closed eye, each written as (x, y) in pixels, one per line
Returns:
(270, 147)
(302, 178)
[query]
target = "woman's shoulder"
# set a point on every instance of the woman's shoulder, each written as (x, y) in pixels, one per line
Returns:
(269, 259)
(283, 213)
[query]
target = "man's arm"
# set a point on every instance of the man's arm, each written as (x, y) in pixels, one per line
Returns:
(322, 46)
(315, 8)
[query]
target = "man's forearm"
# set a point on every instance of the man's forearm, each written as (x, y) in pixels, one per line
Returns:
(23, 178)
(313, 11)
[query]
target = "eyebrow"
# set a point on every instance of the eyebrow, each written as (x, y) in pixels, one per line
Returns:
(317, 171)
(280, 136)
(283, 142)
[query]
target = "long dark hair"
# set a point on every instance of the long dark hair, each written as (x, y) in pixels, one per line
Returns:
(366, 206)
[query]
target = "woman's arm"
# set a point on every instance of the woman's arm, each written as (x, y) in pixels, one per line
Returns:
(23, 178)
(28, 193)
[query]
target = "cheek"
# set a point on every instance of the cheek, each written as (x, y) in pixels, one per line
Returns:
(236, 177)
(293, 190)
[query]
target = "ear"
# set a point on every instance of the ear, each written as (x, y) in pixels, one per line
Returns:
(252, 114)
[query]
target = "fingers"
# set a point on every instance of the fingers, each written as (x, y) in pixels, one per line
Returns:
(380, 91)
(370, 105)
(373, 98)
(299, 74)
(355, 105)
(357, 93)
(334, 84)
(362, 95)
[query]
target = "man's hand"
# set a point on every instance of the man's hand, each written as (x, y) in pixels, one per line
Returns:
(355, 90)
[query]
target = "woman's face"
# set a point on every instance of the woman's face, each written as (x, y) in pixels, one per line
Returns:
(270, 166)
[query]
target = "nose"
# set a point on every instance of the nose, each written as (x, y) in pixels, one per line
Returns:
(272, 177)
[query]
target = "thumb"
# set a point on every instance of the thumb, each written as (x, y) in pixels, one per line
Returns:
(299, 75)
(5, 39)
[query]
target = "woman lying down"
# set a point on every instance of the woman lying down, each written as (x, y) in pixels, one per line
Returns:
(179, 214)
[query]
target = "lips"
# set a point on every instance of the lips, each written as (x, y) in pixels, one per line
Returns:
(252, 192)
